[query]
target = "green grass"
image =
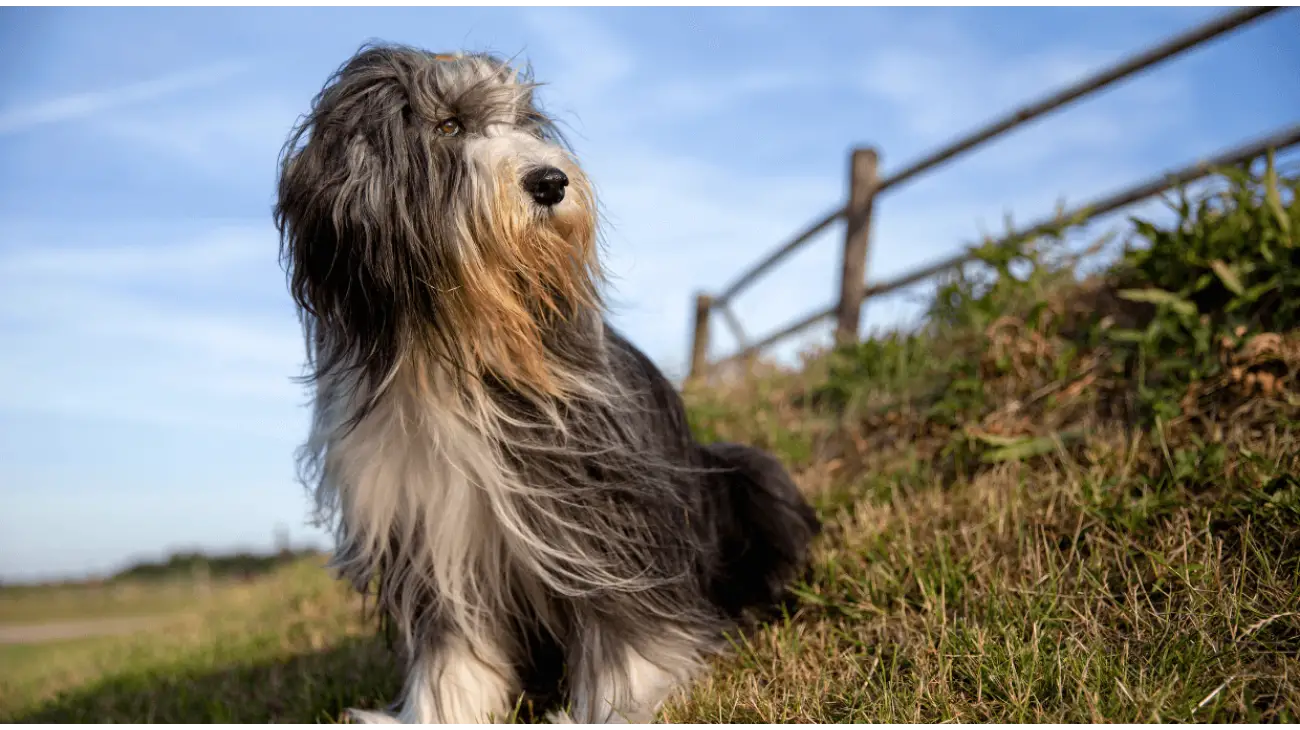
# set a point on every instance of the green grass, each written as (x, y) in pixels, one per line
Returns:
(145, 589)
(289, 646)
(73, 602)
(1064, 500)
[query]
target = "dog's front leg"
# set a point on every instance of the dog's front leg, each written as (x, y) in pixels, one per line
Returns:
(459, 681)
(614, 681)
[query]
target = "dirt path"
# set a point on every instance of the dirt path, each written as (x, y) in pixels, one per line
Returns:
(61, 630)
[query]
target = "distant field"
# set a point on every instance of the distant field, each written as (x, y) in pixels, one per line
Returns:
(288, 646)
(72, 602)
(1064, 501)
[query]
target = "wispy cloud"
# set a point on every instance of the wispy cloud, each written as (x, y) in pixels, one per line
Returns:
(938, 80)
(235, 138)
(137, 329)
(590, 60)
(212, 251)
(935, 93)
(703, 94)
(85, 104)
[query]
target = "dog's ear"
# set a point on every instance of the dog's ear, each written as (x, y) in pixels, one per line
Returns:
(348, 227)
(343, 195)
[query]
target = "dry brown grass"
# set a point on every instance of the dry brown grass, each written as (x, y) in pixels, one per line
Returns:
(1068, 589)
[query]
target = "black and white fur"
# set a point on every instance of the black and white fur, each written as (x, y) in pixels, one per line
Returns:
(513, 479)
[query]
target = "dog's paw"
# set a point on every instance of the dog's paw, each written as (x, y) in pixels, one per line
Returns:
(369, 717)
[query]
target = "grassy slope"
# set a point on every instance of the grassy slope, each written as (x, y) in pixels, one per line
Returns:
(1062, 502)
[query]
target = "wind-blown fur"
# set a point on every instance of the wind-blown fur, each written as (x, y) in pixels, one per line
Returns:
(515, 481)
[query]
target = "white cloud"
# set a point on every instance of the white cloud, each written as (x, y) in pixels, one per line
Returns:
(91, 103)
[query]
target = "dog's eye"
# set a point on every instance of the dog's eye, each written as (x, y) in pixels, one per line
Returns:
(449, 127)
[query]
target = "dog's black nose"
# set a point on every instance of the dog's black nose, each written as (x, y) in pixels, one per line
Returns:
(546, 185)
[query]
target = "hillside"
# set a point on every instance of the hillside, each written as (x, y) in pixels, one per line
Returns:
(1065, 499)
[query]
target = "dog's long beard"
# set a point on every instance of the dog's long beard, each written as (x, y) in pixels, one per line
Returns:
(524, 271)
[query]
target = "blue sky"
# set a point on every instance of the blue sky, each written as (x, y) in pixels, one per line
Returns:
(149, 342)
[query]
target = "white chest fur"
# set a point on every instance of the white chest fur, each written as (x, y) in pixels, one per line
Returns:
(416, 484)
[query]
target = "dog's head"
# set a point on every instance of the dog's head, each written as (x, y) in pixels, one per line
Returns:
(426, 203)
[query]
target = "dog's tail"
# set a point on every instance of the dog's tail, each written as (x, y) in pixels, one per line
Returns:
(766, 529)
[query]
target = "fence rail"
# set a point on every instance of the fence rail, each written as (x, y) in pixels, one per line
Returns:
(865, 187)
(1278, 141)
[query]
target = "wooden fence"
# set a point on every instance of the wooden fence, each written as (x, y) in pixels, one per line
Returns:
(866, 185)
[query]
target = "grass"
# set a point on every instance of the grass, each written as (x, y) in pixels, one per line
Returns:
(41, 604)
(288, 646)
(1065, 499)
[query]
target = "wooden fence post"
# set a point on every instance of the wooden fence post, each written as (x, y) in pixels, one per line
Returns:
(863, 180)
(700, 343)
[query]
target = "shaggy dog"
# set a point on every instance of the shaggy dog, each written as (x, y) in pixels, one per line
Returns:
(514, 481)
